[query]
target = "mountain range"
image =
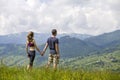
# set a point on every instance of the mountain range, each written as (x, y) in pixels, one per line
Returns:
(107, 42)
(105, 39)
(20, 38)
(71, 48)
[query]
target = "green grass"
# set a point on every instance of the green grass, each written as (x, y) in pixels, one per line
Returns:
(20, 73)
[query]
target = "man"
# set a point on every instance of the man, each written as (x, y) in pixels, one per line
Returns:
(53, 44)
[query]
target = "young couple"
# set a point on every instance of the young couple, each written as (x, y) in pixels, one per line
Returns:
(52, 43)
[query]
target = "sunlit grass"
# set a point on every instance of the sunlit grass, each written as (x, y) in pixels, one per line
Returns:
(20, 73)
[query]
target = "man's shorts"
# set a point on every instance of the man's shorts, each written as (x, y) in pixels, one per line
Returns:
(53, 59)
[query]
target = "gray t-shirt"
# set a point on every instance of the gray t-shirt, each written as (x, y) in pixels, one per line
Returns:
(51, 43)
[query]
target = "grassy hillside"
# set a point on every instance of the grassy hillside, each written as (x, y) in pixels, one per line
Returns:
(105, 61)
(19, 73)
(14, 55)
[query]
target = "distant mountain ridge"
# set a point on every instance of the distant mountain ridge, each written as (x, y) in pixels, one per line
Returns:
(104, 39)
(72, 47)
(20, 38)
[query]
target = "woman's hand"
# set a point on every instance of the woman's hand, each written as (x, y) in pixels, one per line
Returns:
(28, 54)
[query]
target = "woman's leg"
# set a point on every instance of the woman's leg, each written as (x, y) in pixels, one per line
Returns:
(29, 67)
(32, 57)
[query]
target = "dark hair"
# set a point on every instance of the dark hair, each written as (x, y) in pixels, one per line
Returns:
(30, 36)
(54, 31)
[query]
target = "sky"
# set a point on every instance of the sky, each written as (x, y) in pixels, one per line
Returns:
(93, 17)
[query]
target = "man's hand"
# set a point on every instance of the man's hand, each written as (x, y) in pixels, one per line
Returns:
(58, 56)
(42, 53)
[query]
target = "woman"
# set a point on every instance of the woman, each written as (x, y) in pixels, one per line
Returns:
(30, 48)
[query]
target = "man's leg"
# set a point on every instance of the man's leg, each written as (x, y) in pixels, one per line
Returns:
(55, 62)
(48, 64)
(55, 66)
(50, 59)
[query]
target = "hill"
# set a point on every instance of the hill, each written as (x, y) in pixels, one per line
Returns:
(73, 47)
(105, 61)
(105, 39)
(107, 42)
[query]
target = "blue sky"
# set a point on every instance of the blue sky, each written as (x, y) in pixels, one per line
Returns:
(92, 17)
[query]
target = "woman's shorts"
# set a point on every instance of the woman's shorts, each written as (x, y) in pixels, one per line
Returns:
(53, 59)
(32, 57)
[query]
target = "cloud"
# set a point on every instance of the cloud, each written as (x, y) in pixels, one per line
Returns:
(68, 16)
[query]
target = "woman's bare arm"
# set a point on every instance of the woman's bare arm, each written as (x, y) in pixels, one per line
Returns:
(27, 47)
(45, 48)
(36, 47)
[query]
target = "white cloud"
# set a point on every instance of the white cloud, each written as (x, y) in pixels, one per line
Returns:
(79, 16)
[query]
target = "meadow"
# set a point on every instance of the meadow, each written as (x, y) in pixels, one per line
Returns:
(40, 73)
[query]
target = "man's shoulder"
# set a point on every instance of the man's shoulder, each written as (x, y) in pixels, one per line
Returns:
(49, 37)
(57, 38)
(52, 38)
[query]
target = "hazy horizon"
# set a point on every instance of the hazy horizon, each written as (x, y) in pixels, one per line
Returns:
(58, 34)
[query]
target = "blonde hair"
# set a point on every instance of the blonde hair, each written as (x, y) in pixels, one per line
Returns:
(30, 36)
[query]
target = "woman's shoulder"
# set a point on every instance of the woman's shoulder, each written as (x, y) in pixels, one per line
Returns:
(33, 41)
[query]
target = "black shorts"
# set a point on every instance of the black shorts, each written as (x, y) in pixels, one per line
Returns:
(32, 57)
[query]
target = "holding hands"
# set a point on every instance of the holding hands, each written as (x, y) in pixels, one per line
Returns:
(42, 53)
